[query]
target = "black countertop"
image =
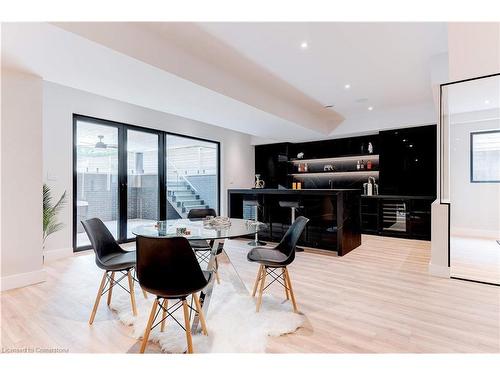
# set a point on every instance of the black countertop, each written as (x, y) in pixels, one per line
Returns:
(292, 191)
(381, 196)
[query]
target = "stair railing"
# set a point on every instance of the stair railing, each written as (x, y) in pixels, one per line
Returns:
(177, 172)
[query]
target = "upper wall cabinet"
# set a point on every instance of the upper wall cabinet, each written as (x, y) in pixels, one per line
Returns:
(408, 161)
(271, 163)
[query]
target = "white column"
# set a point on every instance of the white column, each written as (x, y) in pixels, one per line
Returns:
(21, 180)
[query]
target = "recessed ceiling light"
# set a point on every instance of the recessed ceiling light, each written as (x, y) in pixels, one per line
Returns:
(370, 108)
(329, 106)
(304, 45)
(486, 101)
(347, 86)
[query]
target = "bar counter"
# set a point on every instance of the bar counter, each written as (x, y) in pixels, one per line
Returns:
(334, 215)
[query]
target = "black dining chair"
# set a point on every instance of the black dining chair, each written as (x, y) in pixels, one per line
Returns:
(167, 268)
(111, 258)
(279, 257)
(203, 248)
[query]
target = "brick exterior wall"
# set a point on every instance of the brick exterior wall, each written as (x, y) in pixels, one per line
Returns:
(101, 193)
(206, 185)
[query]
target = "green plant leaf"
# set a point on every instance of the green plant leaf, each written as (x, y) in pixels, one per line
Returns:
(50, 212)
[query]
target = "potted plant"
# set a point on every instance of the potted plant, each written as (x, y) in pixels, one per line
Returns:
(50, 212)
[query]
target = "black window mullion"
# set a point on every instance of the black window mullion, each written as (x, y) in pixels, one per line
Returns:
(122, 183)
(162, 175)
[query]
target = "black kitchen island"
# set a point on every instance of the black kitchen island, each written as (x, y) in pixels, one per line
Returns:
(334, 215)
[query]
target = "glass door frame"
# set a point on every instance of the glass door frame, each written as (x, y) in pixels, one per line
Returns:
(443, 134)
(122, 173)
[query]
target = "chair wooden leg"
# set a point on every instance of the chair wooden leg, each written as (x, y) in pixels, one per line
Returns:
(289, 283)
(110, 291)
(286, 285)
(261, 289)
(98, 297)
(132, 294)
(164, 315)
(143, 291)
(187, 324)
(145, 337)
(257, 281)
(200, 314)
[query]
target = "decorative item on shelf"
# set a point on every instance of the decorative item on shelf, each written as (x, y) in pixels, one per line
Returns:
(369, 165)
(294, 185)
(299, 185)
(300, 155)
(358, 166)
(370, 148)
(362, 166)
(330, 184)
(259, 184)
(302, 167)
(328, 168)
(362, 147)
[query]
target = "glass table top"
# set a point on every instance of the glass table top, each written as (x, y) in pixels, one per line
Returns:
(198, 229)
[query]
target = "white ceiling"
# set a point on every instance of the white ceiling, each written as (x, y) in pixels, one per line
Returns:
(68, 59)
(249, 77)
(386, 64)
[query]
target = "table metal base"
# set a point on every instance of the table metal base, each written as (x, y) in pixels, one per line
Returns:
(206, 293)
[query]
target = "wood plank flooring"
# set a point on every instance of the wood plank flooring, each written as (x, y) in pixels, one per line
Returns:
(377, 299)
(475, 258)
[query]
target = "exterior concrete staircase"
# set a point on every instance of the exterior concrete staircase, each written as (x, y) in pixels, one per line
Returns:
(183, 197)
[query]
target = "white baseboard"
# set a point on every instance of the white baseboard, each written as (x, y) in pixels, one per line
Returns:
(439, 271)
(22, 279)
(467, 232)
(51, 255)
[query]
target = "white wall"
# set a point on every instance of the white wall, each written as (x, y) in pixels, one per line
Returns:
(21, 181)
(475, 207)
(59, 104)
(473, 51)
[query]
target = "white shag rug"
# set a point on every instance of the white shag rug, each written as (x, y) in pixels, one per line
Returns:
(233, 325)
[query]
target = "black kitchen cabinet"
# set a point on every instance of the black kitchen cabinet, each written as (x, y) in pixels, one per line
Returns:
(397, 216)
(408, 161)
(271, 163)
(402, 161)
(333, 215)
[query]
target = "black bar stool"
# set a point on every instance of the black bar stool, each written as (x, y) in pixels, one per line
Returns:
(256, 205)
(294, 206)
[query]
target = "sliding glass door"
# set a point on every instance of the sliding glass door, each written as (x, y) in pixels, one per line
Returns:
(192, 175)
(96, 177)
(142, 179)
(128, 176)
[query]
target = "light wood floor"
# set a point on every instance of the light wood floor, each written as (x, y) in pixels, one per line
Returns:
(378, 298)
(475, 259)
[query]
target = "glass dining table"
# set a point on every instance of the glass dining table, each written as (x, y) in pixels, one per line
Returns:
(200, 229)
